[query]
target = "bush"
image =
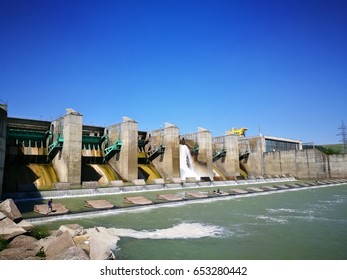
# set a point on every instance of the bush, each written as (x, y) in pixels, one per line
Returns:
(41, 254)
(3, 243)
(40, 232)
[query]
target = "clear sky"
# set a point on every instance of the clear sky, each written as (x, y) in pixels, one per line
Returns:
(276, 67)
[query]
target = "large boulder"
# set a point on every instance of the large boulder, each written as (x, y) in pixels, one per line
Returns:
(63, 247)
(2, 216)
(9, 208)
(26, 225)
(24, 241)
(73, 229)
(22, 247)
(101, 243)
(82, 241)
(72, 253)
(9, 229)
(45, 242)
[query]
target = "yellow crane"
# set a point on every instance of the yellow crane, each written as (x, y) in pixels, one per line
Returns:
(239, 131)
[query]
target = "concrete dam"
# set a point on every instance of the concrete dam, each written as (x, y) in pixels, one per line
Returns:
(65, 153)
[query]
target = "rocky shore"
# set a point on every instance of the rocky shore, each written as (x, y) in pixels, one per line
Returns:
(69, 242)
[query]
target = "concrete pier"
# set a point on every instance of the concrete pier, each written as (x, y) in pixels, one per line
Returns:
(229, 163)
(68, 163)
(126, 162)
(204, 156)
(167, 164)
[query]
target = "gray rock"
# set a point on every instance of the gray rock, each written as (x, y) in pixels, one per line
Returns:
(44, 242)
(9, 229)
(82, 241)
(72, 253)
(26, 225)
(73, 229)
(58, 245)
(2, 216)
(101, 243)
(63, 247)
(18, 254)
(9, 208)
(21, 247)
(24, 241)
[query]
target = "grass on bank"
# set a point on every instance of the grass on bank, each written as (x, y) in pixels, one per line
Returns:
(333, 149)
(3, 243)
(40, 232)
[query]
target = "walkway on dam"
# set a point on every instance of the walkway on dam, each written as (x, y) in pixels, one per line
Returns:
(109, 190)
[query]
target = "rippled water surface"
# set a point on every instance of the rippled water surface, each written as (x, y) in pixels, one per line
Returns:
(296, 224)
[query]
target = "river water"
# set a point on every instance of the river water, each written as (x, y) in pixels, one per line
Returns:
(295, 224)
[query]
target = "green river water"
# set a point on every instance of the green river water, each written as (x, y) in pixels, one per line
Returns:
(295, 224)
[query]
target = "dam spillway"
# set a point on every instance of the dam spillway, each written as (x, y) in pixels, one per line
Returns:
(187, 164)
(67, 151)
(28, 177)
(146, 154)
(103, 174)
(27, 166)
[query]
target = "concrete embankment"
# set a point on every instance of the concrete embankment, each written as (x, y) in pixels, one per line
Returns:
(136, 188)
(209, 194)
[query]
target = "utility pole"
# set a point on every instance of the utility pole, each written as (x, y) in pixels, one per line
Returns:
(343, 135)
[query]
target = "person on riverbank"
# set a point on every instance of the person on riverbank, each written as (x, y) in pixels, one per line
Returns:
(50, 206)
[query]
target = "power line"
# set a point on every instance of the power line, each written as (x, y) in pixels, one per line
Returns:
(343, 135)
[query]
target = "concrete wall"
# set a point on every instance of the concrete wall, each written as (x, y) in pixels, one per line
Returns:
(254, 164)
(3, 129)
(309, 164)
(337, 166)
(305, 164)
(68, 163)
(228, 165)
(168, 165)
(126, 164)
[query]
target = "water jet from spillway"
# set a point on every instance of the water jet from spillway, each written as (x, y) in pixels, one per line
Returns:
(187, 164)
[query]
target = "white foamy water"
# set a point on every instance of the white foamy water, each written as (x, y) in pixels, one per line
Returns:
(181, 231)
(286, 211)
(186, 163)
(272, 219)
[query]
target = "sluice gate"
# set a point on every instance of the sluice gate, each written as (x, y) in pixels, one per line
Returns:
(27, 162)
(95, 154)
(146, 154)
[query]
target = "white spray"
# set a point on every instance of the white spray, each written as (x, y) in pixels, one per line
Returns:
(186, 163)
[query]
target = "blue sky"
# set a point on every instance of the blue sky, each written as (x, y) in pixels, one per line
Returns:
(276, 67)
